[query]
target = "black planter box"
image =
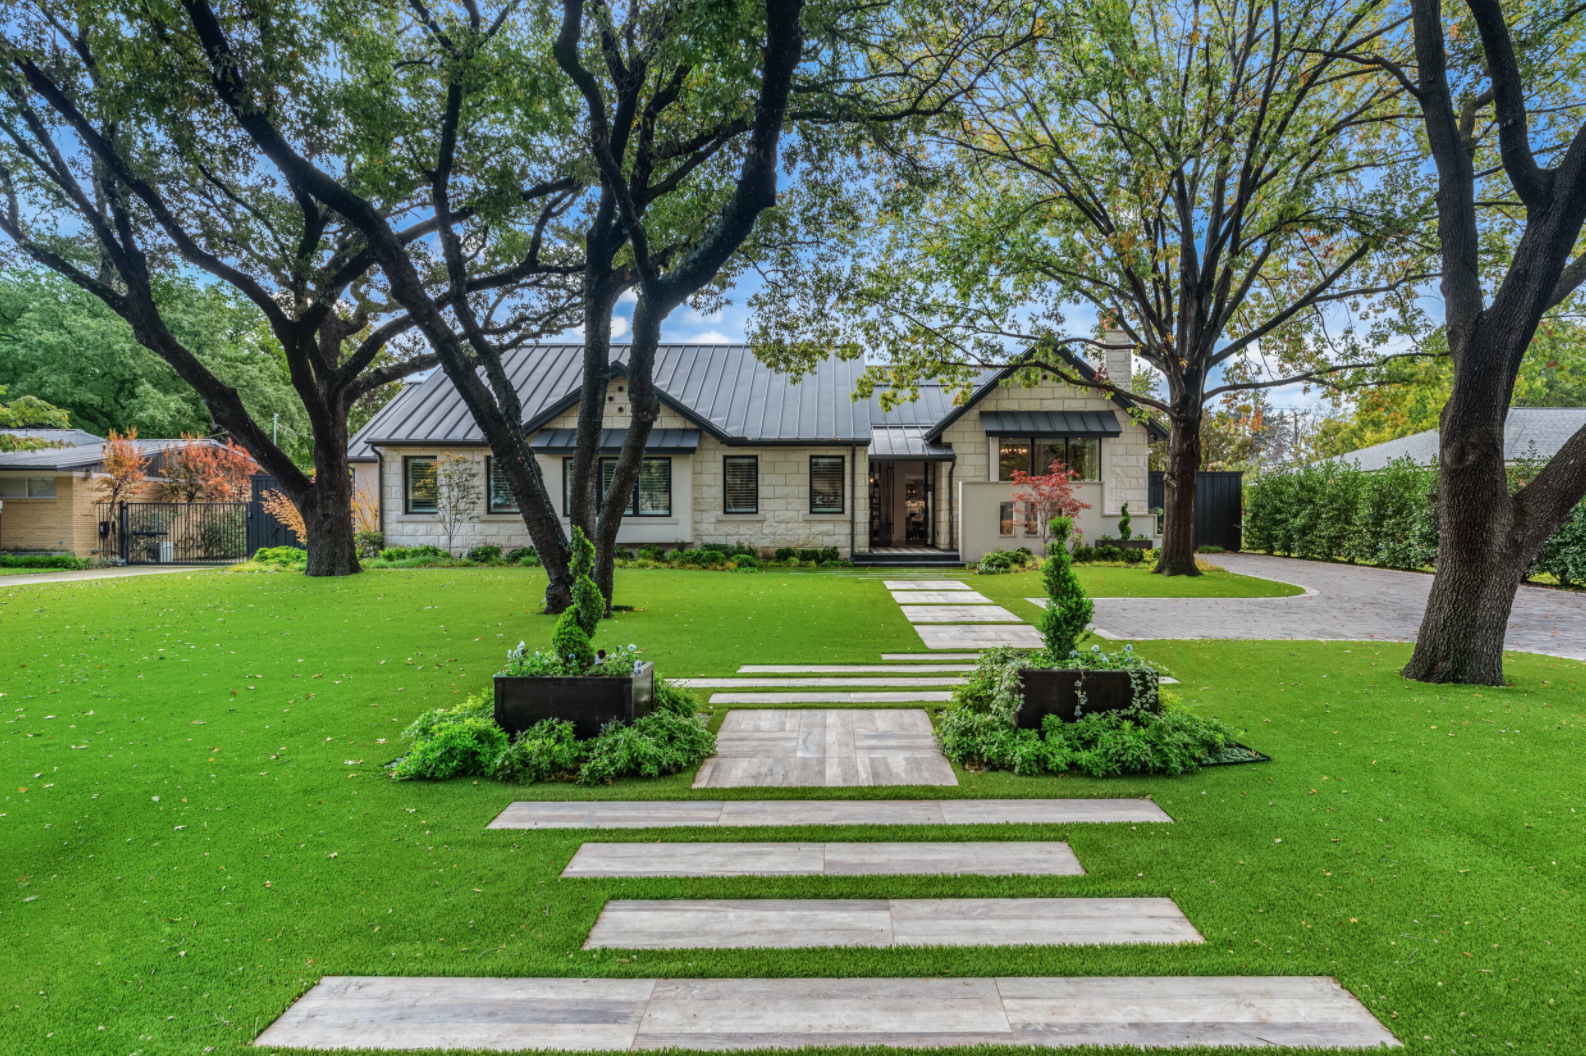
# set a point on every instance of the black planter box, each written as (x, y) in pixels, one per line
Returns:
(1125, 544)
(1048, 692)
(589, 702)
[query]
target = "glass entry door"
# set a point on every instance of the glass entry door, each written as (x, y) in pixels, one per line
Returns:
(881, 478)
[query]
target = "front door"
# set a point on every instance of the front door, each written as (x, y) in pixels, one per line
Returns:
(881, 477)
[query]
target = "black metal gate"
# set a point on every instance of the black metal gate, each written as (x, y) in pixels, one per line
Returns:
(263, 529)
(1219, 506)
(174, 533)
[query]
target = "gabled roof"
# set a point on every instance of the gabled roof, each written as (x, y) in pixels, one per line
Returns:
(1546, 427)
(87, 456)
(722, 389)
(996, 378)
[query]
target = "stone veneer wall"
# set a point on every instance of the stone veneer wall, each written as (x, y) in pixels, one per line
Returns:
(784, 518)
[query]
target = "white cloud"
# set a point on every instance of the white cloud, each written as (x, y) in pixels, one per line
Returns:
(619, 327)
(711, 337)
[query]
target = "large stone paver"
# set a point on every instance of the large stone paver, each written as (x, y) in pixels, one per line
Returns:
(457, 1012)
(1011, 858)
(817, 696)
(926, 584)
(927, 657)
(1342, 603)
(825, 747)
(813, 683)
(940, 597)
(958, 614)
(849, 669)
(658, 814)
(985, 636)
(789, 923)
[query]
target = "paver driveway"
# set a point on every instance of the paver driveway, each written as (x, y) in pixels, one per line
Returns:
(1341, 602)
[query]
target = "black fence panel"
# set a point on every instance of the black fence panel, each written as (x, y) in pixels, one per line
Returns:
(1219, 506)
(264, 531)
(174, 533)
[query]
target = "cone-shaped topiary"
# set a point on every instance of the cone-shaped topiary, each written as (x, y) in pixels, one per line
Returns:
(571, 645)
(1068, 610)
(1124, 531)
(588, 602)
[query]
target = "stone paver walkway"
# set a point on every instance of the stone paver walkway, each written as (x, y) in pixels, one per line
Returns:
(1342, 603)
(23, 579)
(791, 923)
(816, 696)
(826, 747)
(660, 814)
(1012, 858)
(978, 636)
(735, 1014)
(810, 683)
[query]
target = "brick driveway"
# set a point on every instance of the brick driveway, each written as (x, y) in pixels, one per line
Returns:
(1341, 602)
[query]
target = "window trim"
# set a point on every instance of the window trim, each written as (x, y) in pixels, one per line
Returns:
(407, 485)
(842, 494)
(726, 503)
(1032, 441)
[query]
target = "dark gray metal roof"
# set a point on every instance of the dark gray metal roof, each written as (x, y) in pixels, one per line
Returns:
(564, 441)
(1050, 423)
(906, 442)
(992, 380)
(1546, 427)
(63, 437)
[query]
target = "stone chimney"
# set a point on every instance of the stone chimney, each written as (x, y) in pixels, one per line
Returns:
(1119, 357)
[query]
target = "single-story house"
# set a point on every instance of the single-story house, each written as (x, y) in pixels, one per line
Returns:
(47, 499)
(1527, 432)
(742, 454)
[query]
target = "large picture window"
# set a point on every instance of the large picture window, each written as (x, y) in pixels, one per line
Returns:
(418, 484)
(27, 487)
(1081, 454)
(652, 494)
(741, 479)
(500, 493)
(826, 484)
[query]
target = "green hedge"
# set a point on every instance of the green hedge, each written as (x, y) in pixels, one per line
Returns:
(1388, 517)
(45, 561)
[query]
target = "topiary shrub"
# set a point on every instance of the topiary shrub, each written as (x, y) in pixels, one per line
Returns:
(484, 554)
(569, 644)
(1068, 610)
(1124, 530)
(589, 604)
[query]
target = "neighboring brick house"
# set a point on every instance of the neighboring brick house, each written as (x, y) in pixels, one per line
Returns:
(49, 503)
(742, 454)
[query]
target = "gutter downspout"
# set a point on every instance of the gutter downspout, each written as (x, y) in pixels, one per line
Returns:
(379, 493)
(952, 522)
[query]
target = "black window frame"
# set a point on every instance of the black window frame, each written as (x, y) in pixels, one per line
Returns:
(1031, 442)
(726, 492)
(842, 492)
(490, 490)
(633, 499)
(407, 485)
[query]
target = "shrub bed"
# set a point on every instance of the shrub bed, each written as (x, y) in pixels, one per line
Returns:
(45, 562)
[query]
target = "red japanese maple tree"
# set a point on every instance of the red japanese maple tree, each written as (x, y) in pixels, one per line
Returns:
(1047, 497)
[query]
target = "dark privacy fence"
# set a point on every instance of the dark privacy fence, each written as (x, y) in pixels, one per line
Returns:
(191, 533)
(1219, 506)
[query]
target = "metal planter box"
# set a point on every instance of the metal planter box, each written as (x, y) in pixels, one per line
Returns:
(588, 702)
(1048, 692)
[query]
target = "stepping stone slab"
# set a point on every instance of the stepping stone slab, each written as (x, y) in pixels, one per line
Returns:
(958, 636)
(940, 597)
(812, 669)
(958, 614)
(929, 656)
(824, 859)
(411, 1012)
(787, 923)
(820, 747)
(814, 697)
(767, 683)
(661, 814)
(926, 584)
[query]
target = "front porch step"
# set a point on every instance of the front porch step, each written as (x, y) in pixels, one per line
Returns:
(936, 559)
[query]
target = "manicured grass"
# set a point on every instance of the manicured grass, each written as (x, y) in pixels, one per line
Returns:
(1375, 847)
(1127, 581)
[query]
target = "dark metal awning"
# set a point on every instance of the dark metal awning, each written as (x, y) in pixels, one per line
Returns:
(1050, 423)
(906, 443)
(661, 442)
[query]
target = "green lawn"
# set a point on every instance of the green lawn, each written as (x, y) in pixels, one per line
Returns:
(1128, 581)
(194, 840)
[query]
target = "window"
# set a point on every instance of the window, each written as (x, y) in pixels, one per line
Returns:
(419, 484)
(1030, 525)
(1007, 518)
(1082, 455)
(27, 487)
(826, 484)
(1015, 455)
(499, 493)
(741, 477)
(652, 494)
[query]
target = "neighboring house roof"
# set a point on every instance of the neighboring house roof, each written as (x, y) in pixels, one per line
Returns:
(723, 389)
(1546, 427)
(87, 456)
(57, 437)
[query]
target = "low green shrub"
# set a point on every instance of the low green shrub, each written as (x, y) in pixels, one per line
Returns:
(545, 751)
(746, 562)
(651, 553)
(1208, 549)
(1133, 556)
(484, 554)
(1082, 553)
(453, 742)
(281, 557)
(408, 553)
(785, 553)
(369, 543)
(64, 562)
(1108, 553)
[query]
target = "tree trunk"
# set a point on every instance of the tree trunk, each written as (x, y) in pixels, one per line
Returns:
(644, 407)
(327, 515)
(1180, 480)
